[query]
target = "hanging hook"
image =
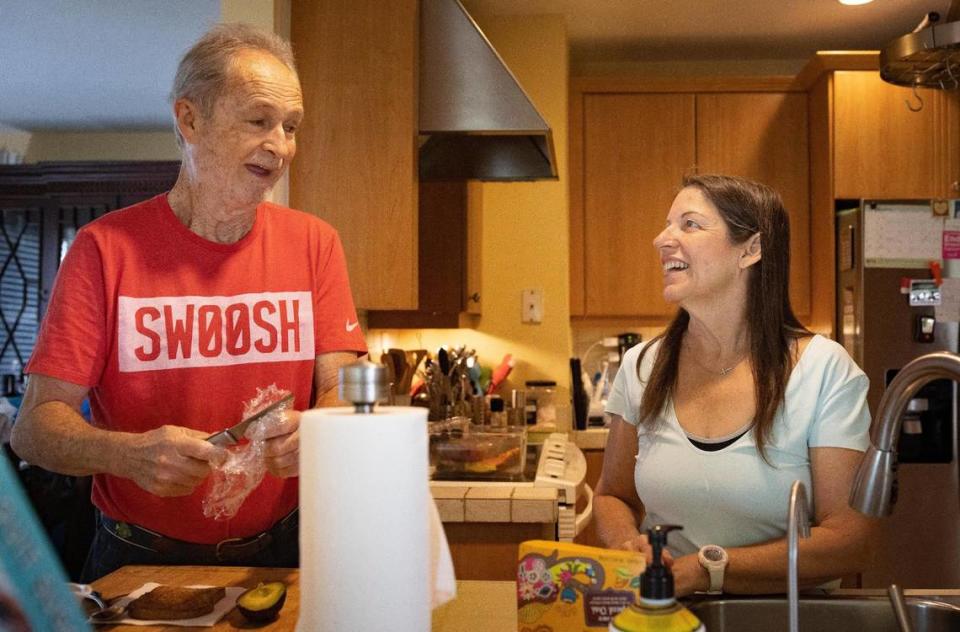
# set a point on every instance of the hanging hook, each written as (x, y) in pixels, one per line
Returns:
(917, 97)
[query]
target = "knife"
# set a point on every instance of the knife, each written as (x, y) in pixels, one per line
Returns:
(233, 434)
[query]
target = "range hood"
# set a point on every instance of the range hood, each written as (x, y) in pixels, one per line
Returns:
(929, 57)
(476, 122)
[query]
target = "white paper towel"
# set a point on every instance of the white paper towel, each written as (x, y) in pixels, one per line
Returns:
(367, 552)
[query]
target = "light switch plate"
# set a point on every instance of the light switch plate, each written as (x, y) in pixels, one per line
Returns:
(532, 306)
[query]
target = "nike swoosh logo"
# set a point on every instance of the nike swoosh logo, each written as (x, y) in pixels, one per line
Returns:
(351, 326)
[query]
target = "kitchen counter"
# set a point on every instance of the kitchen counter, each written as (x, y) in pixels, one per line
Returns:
(494, 502)
(479, 605)
(486, 605)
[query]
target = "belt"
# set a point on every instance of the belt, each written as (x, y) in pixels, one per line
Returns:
(229, 550)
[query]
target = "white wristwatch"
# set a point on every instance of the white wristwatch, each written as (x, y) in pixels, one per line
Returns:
(714, 559)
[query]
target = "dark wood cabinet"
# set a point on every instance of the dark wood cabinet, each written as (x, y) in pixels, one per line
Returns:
(442, 261)
(42, 207)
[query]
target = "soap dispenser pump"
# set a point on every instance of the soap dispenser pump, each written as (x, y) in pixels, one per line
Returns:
(658, 608)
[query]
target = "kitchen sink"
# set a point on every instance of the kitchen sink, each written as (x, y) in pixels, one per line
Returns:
(823, 614)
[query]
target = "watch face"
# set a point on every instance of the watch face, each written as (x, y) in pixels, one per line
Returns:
(713, 554)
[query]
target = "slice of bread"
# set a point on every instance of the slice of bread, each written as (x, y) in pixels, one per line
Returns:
(176, 602)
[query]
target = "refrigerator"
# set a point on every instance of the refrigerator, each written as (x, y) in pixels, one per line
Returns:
(887, 316)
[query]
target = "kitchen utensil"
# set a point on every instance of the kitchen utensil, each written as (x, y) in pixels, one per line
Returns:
(473, 366)
(415, 357)
(387, 361)
(109, 613)
(443, 359)
(86, 591)
(402, 368)
(500, 373)
(233, 434)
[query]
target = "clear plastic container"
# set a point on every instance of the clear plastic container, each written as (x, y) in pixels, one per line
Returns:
(542, 404)
(485, 453)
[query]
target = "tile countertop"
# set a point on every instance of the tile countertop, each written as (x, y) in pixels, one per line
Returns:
(503, 501)
(494, 502)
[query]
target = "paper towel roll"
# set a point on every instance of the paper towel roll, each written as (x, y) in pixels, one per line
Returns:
(364, 530)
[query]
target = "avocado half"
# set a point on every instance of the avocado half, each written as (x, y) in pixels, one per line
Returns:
(264, 602)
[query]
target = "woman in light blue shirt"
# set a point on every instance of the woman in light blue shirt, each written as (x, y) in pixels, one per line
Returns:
(715, 418)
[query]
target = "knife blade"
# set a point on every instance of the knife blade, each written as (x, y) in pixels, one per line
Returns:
(233, 434)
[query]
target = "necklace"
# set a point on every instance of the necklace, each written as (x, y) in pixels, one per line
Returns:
(723, 371)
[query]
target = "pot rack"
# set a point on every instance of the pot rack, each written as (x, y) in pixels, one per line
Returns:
(929, 58)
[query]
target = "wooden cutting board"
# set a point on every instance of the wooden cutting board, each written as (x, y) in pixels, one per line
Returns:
(130, 578)
(479, 605)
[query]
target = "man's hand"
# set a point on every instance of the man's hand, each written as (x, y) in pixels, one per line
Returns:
(281, 447)
(170, 460)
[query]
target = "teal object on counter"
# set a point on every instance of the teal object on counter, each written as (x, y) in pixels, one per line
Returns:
(33, 585)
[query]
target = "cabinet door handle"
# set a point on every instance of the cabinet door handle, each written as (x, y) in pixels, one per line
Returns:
(956, 185)
(475, 297)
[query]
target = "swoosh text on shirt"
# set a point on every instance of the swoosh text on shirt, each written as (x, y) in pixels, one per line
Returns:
(351, 326)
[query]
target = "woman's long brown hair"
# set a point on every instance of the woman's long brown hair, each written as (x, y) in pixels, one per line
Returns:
(747, 208)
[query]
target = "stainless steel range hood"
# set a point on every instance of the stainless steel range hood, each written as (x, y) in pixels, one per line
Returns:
(476, 122)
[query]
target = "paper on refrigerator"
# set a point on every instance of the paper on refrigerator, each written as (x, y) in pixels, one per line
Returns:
(949, 307)
(901, 236)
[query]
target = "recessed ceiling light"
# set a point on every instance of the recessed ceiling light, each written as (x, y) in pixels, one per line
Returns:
(854, 2)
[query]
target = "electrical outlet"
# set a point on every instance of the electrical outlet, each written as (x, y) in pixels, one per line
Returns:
(532, 306)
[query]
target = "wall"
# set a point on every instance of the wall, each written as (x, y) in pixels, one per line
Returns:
(525, 238)
(155, 145)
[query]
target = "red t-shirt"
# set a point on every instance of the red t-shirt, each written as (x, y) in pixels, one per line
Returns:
(169, 328)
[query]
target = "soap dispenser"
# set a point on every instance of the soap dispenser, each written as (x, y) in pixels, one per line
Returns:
(657, 609)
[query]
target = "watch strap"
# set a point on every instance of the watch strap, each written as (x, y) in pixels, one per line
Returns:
(716, 579)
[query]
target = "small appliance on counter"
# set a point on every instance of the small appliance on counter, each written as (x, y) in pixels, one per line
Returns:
(595, 388)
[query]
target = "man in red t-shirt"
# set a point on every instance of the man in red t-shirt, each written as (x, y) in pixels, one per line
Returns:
(170, 314)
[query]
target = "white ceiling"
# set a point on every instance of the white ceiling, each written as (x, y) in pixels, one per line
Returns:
(656, 30)
(108, 64)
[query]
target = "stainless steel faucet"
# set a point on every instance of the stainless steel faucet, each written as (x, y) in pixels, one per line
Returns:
(798, 525)
(875, 486)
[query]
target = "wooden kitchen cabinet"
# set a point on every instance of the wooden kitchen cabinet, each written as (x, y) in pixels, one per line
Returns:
(356, 165)
(866, 143)
(631, 144)
(449, 259)
(882, 149)
(636, 148)
(763, 136)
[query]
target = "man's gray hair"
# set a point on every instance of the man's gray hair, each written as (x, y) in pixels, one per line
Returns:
(203, 72)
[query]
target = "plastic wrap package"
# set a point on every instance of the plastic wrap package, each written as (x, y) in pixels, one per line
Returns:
(244, 468)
